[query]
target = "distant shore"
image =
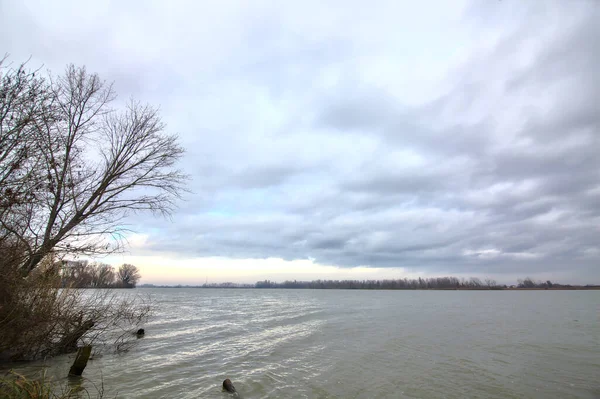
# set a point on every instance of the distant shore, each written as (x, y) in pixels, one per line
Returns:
(250, 286)
(445, 283)
(576, 287)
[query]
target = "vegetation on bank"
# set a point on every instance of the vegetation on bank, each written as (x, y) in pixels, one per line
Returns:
(72, 167)
(43, 320)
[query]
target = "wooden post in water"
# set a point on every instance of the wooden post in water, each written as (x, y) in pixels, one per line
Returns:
(83, 355)
(228, 386)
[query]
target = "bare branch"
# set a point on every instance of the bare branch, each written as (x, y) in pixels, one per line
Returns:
(72, 168)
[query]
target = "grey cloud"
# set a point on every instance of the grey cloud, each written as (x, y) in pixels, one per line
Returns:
(319, 133)
(356, 110)
(413, 183)
(261, 177)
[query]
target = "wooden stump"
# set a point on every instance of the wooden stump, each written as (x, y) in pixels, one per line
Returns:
(83, 355)
(228, 386)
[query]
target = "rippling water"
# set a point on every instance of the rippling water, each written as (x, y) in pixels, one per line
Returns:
(358, 344)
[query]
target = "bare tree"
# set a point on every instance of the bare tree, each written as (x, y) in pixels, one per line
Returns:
(475, 282)
(103, 275)
(526, 283)
(490, 283)
(128, 275)
(76, 274)
(92, 167)
(25, 102)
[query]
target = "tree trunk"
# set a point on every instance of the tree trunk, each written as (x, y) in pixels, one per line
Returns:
(83, 355)
(69, 342)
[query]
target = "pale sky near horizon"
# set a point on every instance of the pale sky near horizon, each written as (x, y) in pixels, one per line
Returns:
(353, 139)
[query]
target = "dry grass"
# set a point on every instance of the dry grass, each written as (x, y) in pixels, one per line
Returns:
(16, 386)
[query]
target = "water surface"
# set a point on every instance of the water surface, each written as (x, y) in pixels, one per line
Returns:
(358, 344)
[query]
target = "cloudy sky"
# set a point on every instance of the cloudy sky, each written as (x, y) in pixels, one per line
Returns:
(354, 139)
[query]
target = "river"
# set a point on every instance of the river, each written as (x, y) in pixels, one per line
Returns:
(356, 344)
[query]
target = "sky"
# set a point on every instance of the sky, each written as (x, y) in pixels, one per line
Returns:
(353, 139)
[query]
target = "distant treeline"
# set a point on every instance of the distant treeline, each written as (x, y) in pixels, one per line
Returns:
(83, 274)
(211, 285)
(397, 284)
(434, 283)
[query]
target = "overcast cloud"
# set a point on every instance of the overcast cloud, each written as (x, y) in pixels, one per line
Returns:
(444, 137)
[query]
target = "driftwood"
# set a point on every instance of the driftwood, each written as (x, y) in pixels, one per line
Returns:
(83, 355)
